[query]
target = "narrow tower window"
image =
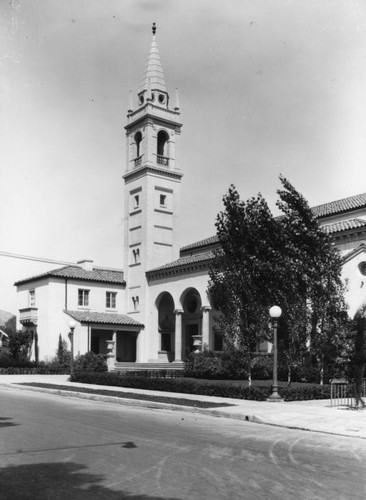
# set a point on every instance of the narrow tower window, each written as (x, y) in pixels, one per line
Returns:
(136, 255)
(135, 301)
(163, 200)
(138, 139)
(162, 149)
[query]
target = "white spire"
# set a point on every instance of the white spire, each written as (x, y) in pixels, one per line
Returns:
(153, 68)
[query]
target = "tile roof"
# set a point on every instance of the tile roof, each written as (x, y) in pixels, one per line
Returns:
(103, 318)
(325, 210)
(344, 225)
(213, 240)
(99, 275)
(193, 261)
(340, 206)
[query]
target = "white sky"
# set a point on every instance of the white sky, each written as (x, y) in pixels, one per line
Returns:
(266, 87)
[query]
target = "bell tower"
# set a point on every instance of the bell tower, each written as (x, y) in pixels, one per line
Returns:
(152, 185)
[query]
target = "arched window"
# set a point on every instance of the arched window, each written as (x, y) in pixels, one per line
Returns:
(162, 149)
(138, 139)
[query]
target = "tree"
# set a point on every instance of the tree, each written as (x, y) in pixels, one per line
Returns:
(264, 261)
(245, 271)
(20, 344)
(62, 353)
(315, 267)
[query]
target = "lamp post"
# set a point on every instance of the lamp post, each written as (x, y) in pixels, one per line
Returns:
(275, 313)
(72, 325)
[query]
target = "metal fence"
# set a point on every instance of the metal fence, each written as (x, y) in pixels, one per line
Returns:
(342, 392)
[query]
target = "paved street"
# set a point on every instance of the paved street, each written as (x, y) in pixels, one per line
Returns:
(53, 447)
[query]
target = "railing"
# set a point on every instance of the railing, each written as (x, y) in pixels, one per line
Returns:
(163, 160)
(28, 315)
(341, 394)
(138, 161)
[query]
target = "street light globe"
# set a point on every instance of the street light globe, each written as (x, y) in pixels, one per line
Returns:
(275, 312)
(72, 324)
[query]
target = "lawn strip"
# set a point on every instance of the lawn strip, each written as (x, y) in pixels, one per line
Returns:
(130, 395)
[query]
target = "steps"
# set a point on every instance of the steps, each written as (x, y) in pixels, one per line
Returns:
(128, 366)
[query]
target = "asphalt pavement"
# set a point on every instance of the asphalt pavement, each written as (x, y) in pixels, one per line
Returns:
(315, 415)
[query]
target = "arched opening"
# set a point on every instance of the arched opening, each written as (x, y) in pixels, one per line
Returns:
(192, 321)
(138, 139)
(162, 148)
(166, 322)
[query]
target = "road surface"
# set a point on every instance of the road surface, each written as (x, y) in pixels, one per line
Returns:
(54, 447)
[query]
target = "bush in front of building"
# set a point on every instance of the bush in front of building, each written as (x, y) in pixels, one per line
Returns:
(154, 373)
(90, 362)
(228, 365)
(178, 385)
(216, 365)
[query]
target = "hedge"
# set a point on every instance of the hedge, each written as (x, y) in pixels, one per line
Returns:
(182, 385)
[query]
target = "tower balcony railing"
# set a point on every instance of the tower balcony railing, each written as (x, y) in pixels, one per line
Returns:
(138, 161)
(163, 160)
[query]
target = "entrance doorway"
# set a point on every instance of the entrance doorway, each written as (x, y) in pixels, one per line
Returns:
(126, 347)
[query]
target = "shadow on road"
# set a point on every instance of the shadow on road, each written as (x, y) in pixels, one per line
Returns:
(6, 422)
(56, 481)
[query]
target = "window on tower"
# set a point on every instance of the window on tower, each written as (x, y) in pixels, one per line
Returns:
(162, 148)
(163, 200)
(138, 139)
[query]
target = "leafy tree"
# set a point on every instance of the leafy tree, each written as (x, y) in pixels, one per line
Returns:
(287, 261)
(62, 353)
(246, 270)
(314, 267)
(20, 343)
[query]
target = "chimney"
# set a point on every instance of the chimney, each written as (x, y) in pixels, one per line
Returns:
(86, 264)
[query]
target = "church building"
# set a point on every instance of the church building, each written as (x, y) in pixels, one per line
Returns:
(157, 309)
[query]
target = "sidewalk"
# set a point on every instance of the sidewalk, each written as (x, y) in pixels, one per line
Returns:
(315, 415)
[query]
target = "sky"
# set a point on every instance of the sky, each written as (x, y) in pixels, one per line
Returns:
(266, 88)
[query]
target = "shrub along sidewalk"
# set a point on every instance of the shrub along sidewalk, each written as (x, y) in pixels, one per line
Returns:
(189, 386)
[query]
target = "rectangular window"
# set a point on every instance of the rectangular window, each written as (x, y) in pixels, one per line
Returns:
(32, 298)
(137, 201)
(135, 301)
(163, 200)
(83, 297)
(110, 301)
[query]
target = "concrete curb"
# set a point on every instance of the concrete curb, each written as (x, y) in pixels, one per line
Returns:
(141, 403)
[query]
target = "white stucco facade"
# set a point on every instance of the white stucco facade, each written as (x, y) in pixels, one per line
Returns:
(161, 308)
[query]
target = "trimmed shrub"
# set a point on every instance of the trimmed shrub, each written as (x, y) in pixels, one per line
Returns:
(262, 367)
(154, 373)
(180, 385)
(216, 366)
(184, 386)
(90, 362)
(32, 368)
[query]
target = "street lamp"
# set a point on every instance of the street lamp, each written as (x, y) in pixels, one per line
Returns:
(72, 325)
(275, 313)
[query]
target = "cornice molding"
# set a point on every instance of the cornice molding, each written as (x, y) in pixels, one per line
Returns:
(176, 271)
(135, 174)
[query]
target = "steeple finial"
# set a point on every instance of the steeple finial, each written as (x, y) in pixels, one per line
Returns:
(154, 29)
